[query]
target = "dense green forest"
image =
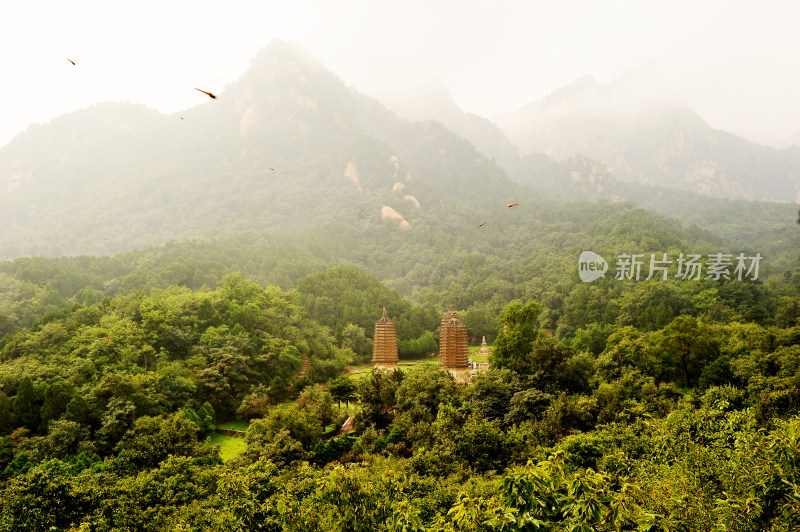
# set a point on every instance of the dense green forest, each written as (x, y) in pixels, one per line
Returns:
(612, 405)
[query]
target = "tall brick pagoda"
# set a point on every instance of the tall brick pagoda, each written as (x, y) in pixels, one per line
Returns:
(384, 343)
(453, 342)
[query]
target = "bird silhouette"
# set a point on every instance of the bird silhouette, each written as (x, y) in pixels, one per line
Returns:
(481, 224)
(512, 205)
(70, 60)
(206, 93)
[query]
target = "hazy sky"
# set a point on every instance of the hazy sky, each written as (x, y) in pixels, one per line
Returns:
(737, 63)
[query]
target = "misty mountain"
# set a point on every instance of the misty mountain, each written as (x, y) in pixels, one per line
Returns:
(576, 177)
(289, 150)
(430, 100)
(286, 145)
(649, 140)
(792, 140)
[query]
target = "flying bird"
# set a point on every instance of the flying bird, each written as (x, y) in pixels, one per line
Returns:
(272, 169)
(512, 205)
(180, 117)
(70, 60)
(206, 93)
(481, 224)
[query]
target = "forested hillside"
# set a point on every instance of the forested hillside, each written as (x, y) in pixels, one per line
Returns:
(529, 251)
(666, 405)
(612, 404)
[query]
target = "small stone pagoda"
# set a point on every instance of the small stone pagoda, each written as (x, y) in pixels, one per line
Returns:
(484, 348)
(384, 343)
(482, 366)
(453, 342)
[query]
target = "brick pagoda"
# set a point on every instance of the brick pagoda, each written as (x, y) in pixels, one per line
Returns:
(453, 342)
(384, 343)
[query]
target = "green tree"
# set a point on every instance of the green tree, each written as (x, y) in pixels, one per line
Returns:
(376, 397)
(117, 419)
(420, 347)
(592, 339)
(64, 439)
(527, 405)
(425, 387)
(628, 347)
(687, 345)
(422, 392)
(491, 392)
(78, 410)
(249, 493)
(353, 337)
(152, 439)
(356, 502)
(268, 440)
(515, 340)
(45, 498)
(6, 415)
(56, 398)
(651, 306)
(255, 404)
(318, 402)
(24, 406)
(342, 389)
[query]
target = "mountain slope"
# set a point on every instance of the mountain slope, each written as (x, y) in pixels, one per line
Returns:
(286, 145)
(649, 140)
(422, 101)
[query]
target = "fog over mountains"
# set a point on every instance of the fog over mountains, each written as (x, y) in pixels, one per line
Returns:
(288, 144)
(634, 132)
(655, 142)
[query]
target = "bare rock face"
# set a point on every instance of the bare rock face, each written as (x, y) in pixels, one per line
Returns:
(412, 199)
(388, 213)
(351, 173)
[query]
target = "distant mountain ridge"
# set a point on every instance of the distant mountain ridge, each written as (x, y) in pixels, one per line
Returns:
(625, 127)
(651, 141)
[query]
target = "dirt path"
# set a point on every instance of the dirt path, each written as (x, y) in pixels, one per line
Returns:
(306, 366)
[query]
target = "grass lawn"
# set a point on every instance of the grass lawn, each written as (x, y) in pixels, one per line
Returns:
(366, 370)
(358, 376)
(229, 446)
(420, 361)
(236, 424)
